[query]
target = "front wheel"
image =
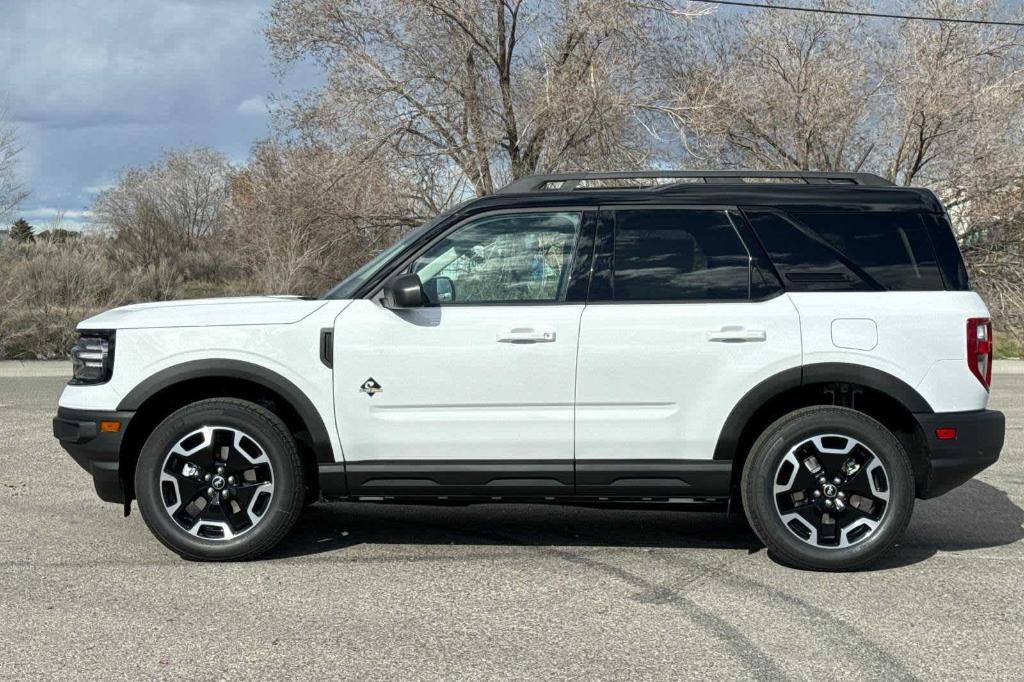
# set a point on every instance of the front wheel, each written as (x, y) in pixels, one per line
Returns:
(828, 488)
(220, 480)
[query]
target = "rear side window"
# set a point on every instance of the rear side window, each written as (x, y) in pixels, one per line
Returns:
(851, 251)
(678, 255)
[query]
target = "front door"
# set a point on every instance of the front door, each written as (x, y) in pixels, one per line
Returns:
(472, 394)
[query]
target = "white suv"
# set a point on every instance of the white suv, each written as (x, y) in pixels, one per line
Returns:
(802, 344)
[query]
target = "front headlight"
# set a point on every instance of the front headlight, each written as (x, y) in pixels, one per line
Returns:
(92, 358)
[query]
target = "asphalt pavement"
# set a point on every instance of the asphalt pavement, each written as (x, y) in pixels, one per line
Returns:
(364, 591)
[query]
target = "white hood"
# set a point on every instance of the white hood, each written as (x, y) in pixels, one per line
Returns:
(206, 312)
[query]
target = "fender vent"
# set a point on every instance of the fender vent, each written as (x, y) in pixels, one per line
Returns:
(327, 347)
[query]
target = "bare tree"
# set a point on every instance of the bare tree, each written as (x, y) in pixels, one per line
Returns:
(12, 192)
(489, 90)
(177, 203)
(917, 102)
(304, 216)
(773, 90)
(954, 102)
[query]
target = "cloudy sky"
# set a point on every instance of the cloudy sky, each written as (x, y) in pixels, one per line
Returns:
(95, 86)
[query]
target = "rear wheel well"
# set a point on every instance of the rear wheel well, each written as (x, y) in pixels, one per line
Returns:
(878, 405)
(164, 402)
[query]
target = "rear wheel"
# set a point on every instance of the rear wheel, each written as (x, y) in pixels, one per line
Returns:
(220, 479)
(828, 488)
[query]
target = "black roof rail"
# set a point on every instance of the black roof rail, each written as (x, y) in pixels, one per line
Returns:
(657, 180)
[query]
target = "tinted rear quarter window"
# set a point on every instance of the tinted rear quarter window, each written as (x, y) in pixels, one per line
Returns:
(804, 263)
(678, 255)
(850, 250)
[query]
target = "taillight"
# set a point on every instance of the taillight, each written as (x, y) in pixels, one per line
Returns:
(979, 349)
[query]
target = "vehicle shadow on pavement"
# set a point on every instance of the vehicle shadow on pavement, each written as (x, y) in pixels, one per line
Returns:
(973, 517)
(336, 526)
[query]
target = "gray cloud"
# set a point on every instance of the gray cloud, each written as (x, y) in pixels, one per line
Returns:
(95, 87)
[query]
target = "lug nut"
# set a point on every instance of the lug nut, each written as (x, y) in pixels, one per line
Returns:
(210, 491)
(220, 470)
(837, 480)
(842, 495)
(828, 503)
(226, 494)
(817, 493)
(821, 479)
(231, 480)
(207, 477)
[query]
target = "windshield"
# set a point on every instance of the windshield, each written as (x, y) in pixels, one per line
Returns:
(351, 284)
(348, 286)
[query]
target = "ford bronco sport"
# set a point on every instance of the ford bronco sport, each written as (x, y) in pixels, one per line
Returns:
(801, 346)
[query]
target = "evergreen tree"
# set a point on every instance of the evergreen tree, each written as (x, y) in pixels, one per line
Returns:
(22, 232)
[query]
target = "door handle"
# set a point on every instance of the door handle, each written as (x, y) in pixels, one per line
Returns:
(735, 334)
(526, 335)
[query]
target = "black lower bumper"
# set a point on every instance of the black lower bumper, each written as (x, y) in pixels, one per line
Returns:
(979, 438)
(96, 450)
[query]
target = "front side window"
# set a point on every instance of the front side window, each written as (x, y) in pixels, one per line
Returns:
(678, 255)
(501, 259)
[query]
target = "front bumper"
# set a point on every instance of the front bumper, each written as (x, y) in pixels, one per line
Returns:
(95, 450)
(979, 438)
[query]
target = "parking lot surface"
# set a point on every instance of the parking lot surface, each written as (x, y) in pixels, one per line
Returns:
(368, 591)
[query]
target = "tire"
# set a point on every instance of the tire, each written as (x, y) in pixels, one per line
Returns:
(210, 494)
(847, 512)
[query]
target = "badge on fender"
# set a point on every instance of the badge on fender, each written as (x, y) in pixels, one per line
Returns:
(370, 387)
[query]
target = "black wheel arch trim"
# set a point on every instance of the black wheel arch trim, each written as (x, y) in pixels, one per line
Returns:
(237, 369)
(845, 372)
(815, 373)
(743, 411)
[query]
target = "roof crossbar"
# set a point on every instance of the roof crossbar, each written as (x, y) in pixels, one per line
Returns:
(656, 180)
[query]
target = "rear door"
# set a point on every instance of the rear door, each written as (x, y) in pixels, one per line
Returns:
(472, 395)
(683, 320)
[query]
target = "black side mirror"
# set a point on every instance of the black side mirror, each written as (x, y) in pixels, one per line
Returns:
(404, 291)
